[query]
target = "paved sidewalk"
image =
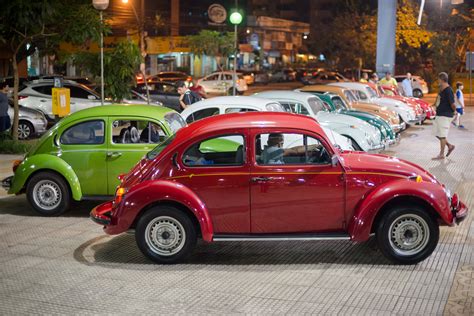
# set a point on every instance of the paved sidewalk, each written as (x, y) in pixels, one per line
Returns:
(67, 265)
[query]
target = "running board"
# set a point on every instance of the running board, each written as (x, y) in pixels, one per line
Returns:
(282, 237)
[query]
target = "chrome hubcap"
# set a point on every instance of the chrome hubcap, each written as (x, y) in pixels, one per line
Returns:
(165, 236)
(23, 131)
(47, 194)
(409, 234)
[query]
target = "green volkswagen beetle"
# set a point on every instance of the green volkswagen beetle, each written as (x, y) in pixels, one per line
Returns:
(337, 104)
(82, 156)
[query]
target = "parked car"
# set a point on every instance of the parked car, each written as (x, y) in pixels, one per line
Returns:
(164, 92)
(170, 76)
(392, 91)
(338, 105)
(362, 135)
(230, 104)
(82, 80)
(261, 77)
(354, 104)
(139, 98)
(31, 122)
(365, 93)
(82, 155)
(324, 77)
(37, 95)
(419, 85)
(222, 83)
(266, 188)
(281, 75)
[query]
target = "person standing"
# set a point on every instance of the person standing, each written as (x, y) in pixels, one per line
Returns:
(444, 115)
(364, 78)
(5, 123)
(374, 78)
(459, 105)
(407, 87)
(187, 97)
(388, 80)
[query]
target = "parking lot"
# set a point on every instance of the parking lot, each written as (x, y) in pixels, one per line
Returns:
(67, 265)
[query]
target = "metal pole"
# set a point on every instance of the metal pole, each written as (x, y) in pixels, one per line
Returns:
(235, 59)
(101, 61)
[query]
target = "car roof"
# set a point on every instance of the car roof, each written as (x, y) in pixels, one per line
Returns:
(350, 85)
(286, 94)
(153, 111)
(232, 100)
(322, 87)
(248, 120)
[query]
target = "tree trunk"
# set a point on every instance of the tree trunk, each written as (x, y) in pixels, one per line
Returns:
(16, 107)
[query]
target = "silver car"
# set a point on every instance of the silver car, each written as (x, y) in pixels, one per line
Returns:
(31, 122)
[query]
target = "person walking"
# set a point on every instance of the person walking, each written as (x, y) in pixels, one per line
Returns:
(459, 105)
(187, 97)
(5, 123)
(388, 80)
(406, 86)
(445, 108)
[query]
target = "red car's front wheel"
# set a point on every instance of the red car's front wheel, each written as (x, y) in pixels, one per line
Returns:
(407, 234)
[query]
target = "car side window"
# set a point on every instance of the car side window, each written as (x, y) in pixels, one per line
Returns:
(239, 109)
(77, 92)
(198, 115)
(90, 132)
(338, 103)
(212, 77)
(361, 95)
(44, 89)
(295, 107)
(219, 151)
(136, 132)
(227, 77)
(289, 149)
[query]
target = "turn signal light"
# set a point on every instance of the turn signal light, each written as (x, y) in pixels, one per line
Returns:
(418, 179)
(16, 163)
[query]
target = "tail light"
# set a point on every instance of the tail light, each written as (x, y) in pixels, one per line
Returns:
(21, 97)
(119, 193)
(304, 74)
(16, 163)
(189, 78)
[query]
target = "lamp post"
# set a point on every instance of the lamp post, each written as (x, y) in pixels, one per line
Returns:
(101, 5)
(235, 18)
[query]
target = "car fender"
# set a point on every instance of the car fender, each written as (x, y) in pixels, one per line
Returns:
(357, 135)
(360, 224)
(148, 193)
(45, 162)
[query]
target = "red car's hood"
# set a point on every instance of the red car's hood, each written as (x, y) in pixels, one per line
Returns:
(383, 164)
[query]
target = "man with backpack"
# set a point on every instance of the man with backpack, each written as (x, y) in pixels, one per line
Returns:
(187, 97)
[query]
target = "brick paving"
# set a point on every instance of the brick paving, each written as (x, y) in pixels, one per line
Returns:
(66, 265)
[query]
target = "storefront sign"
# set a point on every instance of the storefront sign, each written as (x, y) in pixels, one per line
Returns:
(217, 13)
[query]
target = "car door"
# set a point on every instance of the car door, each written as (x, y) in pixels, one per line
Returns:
(294, 187)
(216, 168)
(210, 83)
(81, 98)
(130, 139)
(83, 147)
(41, 99)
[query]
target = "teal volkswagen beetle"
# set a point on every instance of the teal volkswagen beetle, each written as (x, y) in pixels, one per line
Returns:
(338, 105)
(82, 156)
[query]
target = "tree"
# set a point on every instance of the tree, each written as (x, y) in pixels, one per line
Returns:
(120, 65)
(212, 43)
(30, 25)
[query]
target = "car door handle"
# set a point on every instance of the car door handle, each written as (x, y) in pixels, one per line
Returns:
(114, 154)
(42, 100)
(260, 179)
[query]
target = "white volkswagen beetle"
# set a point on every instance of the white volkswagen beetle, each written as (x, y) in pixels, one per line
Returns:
(366, 94)
(362, 135)
(231, 104)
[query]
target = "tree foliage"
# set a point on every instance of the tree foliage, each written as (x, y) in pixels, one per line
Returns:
(212, 43)
(120, 65)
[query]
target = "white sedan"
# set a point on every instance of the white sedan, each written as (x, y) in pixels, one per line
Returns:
(222, 83)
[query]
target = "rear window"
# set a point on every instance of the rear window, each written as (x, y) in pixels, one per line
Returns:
(175, 121)
(43, 89)
(160, 147)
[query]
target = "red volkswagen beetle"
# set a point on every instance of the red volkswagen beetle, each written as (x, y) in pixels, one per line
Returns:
(390, 91)
(275, 176)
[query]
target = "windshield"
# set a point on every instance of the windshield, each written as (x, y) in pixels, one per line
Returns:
(339, 103)
(371, 92)
(317, 105)
(350, 96)
(159, 148)
(175, 121)
(274, 107)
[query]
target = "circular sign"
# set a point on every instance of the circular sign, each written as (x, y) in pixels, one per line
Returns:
(217, 13)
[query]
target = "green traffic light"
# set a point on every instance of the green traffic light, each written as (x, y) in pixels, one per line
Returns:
(235, 18)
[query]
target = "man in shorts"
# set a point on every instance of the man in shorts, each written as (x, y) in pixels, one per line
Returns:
(444, 115)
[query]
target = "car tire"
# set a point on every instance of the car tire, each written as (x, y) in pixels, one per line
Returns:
(48, 193)
(25, 129)
(407, 234)
(172, 224)
(417, 93)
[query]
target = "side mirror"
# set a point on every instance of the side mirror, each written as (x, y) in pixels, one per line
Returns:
(334, 160)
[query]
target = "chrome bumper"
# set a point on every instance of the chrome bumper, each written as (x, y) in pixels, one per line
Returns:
(398, 127)
(7, 183)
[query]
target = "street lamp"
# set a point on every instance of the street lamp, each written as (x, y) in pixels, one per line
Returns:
(101, 5)
(235, 18)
